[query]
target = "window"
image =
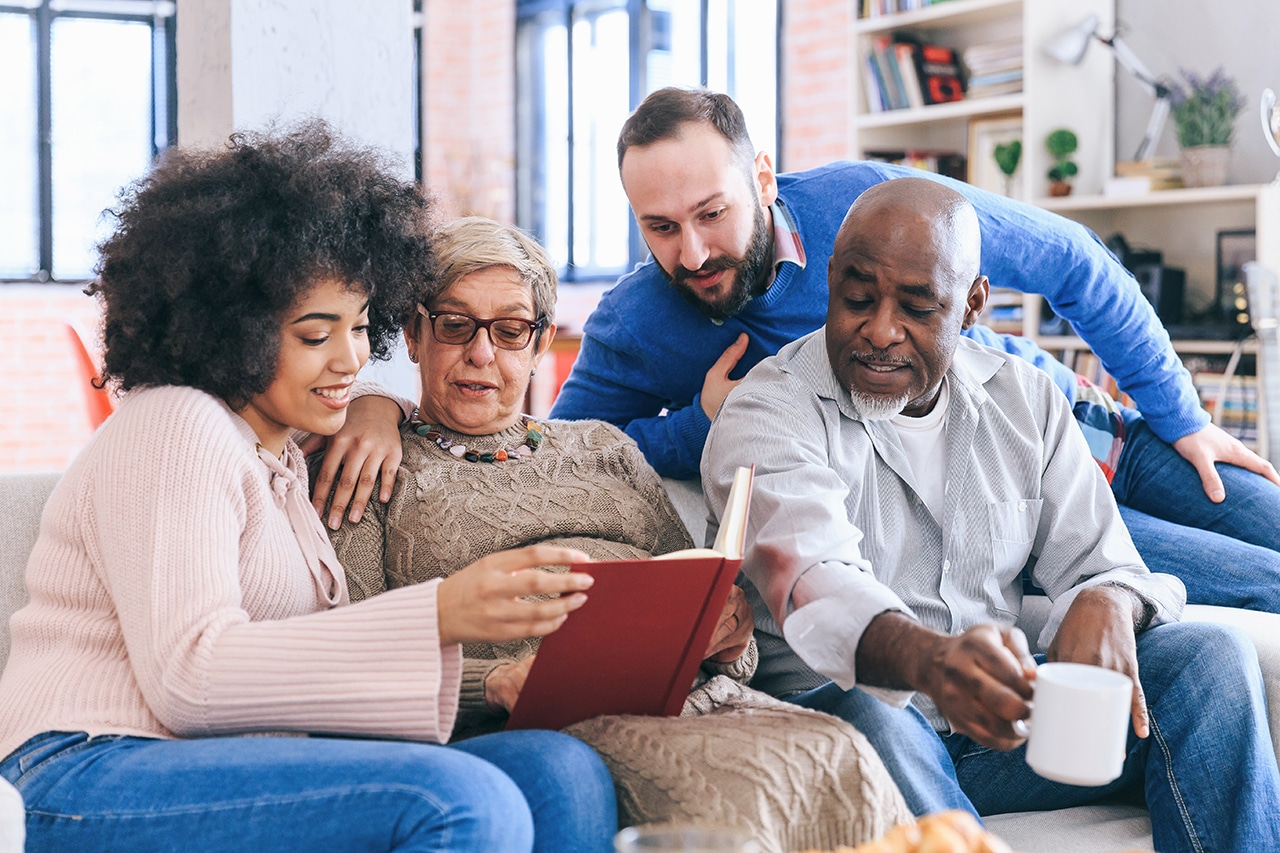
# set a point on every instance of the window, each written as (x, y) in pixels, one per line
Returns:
(87, 102)
(582, 67)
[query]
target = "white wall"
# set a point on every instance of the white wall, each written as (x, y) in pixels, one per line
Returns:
(243, 64)
(1243, 36)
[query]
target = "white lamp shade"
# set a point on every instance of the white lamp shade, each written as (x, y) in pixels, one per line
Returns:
(1069, 45)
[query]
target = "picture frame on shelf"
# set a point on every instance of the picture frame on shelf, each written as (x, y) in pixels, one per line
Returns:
(986, 133)
(1235, 248)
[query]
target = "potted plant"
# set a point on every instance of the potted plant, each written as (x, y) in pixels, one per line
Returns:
(1061, 144)
(1204, 112)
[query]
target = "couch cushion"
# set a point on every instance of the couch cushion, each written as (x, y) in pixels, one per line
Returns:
(22, 498)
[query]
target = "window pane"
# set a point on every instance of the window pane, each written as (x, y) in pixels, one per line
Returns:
(742, 46)
(675, 44)
(555, 143)
(101, 130)
(601, 81)
(19, 186)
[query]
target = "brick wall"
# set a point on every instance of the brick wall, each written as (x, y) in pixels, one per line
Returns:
(469, 106)
(817, 87)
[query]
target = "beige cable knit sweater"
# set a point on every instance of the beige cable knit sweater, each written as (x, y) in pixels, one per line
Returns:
(170, 598)
(587, 487)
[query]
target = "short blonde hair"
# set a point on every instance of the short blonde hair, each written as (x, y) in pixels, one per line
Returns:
(474, 243)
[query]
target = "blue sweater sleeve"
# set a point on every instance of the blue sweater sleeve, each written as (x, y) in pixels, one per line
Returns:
(607, 383)
(1035, 251)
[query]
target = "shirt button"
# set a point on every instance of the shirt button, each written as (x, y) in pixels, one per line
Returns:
(1022, 506)
(946, 565)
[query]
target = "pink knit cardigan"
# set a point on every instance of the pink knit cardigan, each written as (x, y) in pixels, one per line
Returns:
(170, 598)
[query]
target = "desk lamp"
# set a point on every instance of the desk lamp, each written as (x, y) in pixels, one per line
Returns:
(1069, 47)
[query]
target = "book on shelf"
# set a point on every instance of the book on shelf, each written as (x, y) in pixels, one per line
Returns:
(893, 94)
(636, 644)
(876, 8)
(1159, 173)
(993, 68)
(952, 164)
(1003, 312)
(1231, 401)
(905, 53)
(939, 73)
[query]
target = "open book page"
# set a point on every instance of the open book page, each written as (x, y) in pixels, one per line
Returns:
(731, 539)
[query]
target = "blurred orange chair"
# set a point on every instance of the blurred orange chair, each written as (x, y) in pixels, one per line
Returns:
(98, 403)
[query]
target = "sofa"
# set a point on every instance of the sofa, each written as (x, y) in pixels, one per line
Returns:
(1088, 829)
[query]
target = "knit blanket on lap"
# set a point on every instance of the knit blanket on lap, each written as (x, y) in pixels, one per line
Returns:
(738, 758)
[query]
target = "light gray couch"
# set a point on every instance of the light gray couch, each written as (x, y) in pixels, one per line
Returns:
(1087, 829)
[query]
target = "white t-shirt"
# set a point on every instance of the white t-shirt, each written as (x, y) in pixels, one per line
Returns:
(924, 440)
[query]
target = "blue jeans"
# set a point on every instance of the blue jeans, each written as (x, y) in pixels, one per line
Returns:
(1207, 772)
(516, 791)
(904, 740)
(1227, 553)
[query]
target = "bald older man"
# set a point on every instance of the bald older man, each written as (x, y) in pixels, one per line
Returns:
(904, 477)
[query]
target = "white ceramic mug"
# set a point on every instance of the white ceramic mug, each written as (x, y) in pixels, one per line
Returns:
(690, 839)
(1079, 723)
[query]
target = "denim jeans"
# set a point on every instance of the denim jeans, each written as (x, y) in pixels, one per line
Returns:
(1207, 772)
(514, 791)
(904, 740)
(1227, 553)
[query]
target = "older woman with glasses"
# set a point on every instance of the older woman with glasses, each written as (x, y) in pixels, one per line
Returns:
(479, 476)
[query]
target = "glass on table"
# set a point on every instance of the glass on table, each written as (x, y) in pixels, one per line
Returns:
(683, 839)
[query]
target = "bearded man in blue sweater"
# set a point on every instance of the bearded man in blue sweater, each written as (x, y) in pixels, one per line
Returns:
(738, 270)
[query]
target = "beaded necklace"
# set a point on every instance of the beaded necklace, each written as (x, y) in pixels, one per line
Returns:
(431, 432)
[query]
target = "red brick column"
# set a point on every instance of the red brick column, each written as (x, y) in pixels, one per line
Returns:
(817, 85)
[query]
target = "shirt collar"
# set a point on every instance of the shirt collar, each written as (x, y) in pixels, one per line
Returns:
(787, 247)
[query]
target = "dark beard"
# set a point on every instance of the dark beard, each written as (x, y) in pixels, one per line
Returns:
(750, 279)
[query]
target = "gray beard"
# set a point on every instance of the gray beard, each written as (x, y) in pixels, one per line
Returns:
(877, 408)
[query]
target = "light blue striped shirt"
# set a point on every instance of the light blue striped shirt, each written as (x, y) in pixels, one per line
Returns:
(837, 534)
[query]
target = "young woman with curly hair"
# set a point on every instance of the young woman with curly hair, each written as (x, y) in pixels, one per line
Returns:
(183, 591)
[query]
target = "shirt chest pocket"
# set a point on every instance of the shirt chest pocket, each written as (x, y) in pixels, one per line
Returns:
(1013, 527)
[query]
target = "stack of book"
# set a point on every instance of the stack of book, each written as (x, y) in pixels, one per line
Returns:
(902, 74)
(949, 163)
(876, 8)
(994, 68)
(1237, 398)
(1003, 313)
(1159, 173)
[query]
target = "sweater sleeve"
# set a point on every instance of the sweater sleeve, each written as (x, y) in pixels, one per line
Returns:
(1035, 251)
(604, 385)
(176, 501)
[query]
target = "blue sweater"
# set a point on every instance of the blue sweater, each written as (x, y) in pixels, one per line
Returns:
(646, 351)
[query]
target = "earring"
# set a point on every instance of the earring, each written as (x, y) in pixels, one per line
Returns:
(533, 371)
(413, 356)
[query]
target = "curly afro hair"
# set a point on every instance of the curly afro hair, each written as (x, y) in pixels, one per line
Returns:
(213, 247)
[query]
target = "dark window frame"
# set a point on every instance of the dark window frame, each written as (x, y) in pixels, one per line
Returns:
(164, 93)
(530, 176)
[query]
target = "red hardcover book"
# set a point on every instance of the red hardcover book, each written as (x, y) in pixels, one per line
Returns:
(939, 74)
(635, 646)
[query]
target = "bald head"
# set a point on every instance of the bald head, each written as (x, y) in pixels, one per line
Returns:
(903, 280)
(919, 206)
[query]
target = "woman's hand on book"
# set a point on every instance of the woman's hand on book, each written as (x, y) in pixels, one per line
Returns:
(733, 634)
(486, 601)
(504, 682)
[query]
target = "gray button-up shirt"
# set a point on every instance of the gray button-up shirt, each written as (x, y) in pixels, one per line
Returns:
(837, 534)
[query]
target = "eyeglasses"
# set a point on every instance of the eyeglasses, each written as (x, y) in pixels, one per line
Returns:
(511, 333)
